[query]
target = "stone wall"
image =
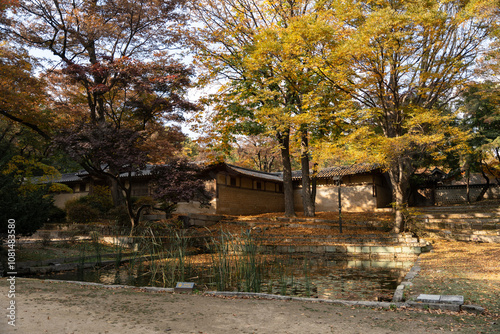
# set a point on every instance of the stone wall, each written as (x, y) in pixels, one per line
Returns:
(458, 194)
(393, 252)
(194, 207)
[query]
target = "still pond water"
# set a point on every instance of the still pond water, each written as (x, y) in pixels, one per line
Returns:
(307, 276)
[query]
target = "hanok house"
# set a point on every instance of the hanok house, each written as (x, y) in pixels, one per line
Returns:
(440, 188)
(363, 187)
(81, 184)
(242, 191)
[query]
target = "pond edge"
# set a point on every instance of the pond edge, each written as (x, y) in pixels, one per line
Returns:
(374, 304)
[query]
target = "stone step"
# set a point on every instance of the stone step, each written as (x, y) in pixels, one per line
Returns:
(473, 215)
(352, 250)
(353, 225)
(460, 226)
(335, 239)
(461, 220)
(326, 240)
(461, 209)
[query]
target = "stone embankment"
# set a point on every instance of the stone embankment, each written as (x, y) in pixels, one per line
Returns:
(478, 223)
(364, 239)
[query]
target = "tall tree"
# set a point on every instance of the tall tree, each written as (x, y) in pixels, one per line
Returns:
(408, 60)
(267, 85)
(112, 70)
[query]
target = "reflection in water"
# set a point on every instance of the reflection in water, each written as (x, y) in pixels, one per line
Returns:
(319, 277)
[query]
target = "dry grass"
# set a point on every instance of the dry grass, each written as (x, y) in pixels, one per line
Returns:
(334, 216)
(468, 269)
(268, 224)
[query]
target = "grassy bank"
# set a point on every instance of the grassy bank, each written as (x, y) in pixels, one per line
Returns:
(468, 269)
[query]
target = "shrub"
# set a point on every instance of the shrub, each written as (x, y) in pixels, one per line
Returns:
(145, 200)
(100, 199)
(56, 215)
(28, 209)
(78, 212)
(120, 215)
(45, 238)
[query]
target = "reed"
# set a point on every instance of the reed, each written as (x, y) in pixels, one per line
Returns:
(236, 262)
(119, 255)
(251, 265)
(306, 277)
(168, 255)
(83, 246)
(97, 247)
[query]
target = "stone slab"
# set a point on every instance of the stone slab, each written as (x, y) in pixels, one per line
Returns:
(184, 287)
(330, 249)
(435, 306)
(472, 309)
(450, 299)
(423, 298)
(382, 249)
(353, 249)
(399, 293)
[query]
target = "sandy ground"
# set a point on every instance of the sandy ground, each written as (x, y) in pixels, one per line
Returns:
(60, 308)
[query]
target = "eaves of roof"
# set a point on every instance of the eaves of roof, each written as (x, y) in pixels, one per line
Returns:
(340, 171)
(63, 178)
(254, 173)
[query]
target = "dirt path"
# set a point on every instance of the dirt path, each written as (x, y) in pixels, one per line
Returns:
(63, 308)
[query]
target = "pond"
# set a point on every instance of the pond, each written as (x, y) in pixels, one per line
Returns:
(306, 275)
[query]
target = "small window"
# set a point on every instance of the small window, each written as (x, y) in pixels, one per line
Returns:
(232, 182)
(258, 185)
(82, 187)
(280, 188)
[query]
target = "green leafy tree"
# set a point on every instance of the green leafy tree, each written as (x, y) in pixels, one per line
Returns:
(21, 199)
(30, 210)
(482, 118)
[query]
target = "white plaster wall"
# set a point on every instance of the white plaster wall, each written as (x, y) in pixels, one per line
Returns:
(61, 199)
(357, 198)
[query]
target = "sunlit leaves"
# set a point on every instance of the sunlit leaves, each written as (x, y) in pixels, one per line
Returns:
(22, 95)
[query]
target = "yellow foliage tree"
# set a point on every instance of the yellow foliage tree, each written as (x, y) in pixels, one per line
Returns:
(407, 61)
(261, 52)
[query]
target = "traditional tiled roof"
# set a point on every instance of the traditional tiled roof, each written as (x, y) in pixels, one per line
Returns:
(339, 171)
(331, 172)
(63, 178)
(82, 174)
(276, 177)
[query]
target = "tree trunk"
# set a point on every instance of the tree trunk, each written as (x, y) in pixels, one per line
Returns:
(468, 186)
(134, 218)
(307, 199)
(399, 175)
(122, 196)
(314, 184)
(116, 192)
(480, 197)
(284, 140)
